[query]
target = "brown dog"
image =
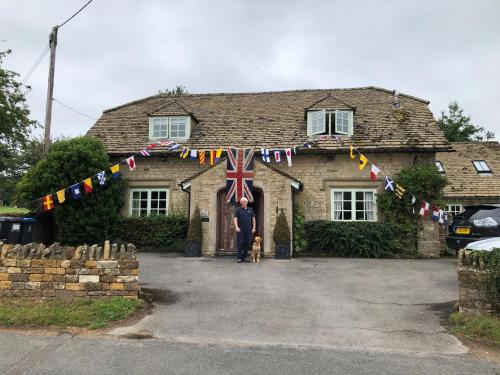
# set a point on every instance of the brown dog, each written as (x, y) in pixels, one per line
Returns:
(256, 249)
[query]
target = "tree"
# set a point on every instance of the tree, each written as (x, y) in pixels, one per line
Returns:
(457, 127)
(89, 219)
(179, 90)
(16, 147)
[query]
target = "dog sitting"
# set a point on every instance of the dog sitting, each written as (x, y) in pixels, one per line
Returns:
(256, 249)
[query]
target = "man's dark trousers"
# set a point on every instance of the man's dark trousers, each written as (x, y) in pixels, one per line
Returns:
(243, 241)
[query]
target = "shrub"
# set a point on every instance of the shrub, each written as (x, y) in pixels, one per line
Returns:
(281, 233)
(195, 232)
(353, 239)
(162, 233)
(426, 183)
(299, 233)
(86, 220)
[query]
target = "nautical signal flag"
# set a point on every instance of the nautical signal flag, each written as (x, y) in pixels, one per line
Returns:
(265, 154)
(173, 147)
(131, 163)
(389, 184)
(61, 196)
(374, 172)
(400, 191)
(144, 152)
(166, 143)
(75, 191)
(288, 153)
(87, 185)
(307, 145)
(115, 171)
(363, 160)
(424, 208)
(212, 157)
(184, 153)
(152, 145)
(435, 213)
(101, 177)
(277, 156)
(218, 154)
(201, 155)
(351, 152)
(48, 202)
(193, 155)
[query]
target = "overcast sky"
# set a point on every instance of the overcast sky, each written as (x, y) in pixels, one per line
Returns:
(116, 51)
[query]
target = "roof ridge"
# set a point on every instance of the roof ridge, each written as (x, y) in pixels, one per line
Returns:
(266, 92)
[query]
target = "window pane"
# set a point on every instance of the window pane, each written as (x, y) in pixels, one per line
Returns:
(178, 127)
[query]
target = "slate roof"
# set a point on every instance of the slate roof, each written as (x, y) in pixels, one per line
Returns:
(463, 179)
(276, 119)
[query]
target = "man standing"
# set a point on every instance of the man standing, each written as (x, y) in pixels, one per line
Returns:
(244, 223)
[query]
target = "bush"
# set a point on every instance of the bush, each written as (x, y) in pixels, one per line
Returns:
(352, 239)
(195, 228)
(160, 233)
(86, 220)
(299, 233)
(281, 233)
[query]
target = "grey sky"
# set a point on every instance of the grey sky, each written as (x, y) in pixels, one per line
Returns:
(116, 51)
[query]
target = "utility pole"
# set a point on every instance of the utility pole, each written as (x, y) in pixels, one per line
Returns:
(50, 90)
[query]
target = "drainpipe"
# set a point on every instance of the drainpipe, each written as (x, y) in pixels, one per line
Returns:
(188, 191)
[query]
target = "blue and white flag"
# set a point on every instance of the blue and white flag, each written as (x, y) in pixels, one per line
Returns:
(265, 155)
(101, 177)
(435, 213)
(389, 184)
(175, 146)
(308, 145)
(76, 191)
(193, 155)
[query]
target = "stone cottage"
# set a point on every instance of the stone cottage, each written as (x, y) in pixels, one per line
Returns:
(392, 130)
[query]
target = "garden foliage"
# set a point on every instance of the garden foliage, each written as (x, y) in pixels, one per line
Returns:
(195, 232)
(282, 230)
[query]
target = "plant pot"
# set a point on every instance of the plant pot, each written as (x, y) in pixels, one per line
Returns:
(192, 249)
(282, 251)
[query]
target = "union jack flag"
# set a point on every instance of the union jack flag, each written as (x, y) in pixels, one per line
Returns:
(239, 174)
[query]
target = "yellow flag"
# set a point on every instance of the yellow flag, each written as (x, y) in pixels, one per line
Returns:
(218, 154)
(115, 168)
(61, 195)
(185, 152)
(362, 162)
(351, 149)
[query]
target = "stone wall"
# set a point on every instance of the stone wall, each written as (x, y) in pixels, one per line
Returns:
(33, 270)
(475, 289)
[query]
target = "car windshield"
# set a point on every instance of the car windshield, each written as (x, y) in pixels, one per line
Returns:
(479, 212)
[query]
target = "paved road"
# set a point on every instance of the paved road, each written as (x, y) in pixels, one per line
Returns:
(348, 316)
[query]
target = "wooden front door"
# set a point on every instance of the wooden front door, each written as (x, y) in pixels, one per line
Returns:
(226, 235)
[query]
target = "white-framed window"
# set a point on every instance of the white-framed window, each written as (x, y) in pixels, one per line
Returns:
(337, 122)
(148, 202)
(175, 127)
(454, 209)
(481, 166)
(353, 204)
(439, 166)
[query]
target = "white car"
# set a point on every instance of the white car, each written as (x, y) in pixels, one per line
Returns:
(485, 245)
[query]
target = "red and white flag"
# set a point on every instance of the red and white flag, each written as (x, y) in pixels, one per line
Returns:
(152, 145)
(288, 152)
(424, 208)
(277, 156)
(166, 143)
(144, 152)
(131, 163)
(374, 172)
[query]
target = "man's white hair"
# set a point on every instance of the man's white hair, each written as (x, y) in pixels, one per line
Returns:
(243, 199)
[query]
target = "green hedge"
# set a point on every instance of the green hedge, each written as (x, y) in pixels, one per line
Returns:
(157, 233)
(352, 239)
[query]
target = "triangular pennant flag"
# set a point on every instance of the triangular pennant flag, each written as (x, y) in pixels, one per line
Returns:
(101, 177)
(424, 208)
(48, 202)
(61, 196)
(400, 191)
(184, 153)
(362, 162)
(288, 153)
(389, 184)
(131, 163)
(374, 172)
(265, 154)
(218, 154)
(75, 191)
(212, 157)
(277, 156)
(201, 155)
(351, 152)
(87, 185)
(144, 152)
(193, 155)
(115, 171)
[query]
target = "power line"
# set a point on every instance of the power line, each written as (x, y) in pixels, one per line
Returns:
(74, 15)
(74, 110)
(35, 64)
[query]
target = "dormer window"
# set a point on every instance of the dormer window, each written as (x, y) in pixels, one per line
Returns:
(175, 127)
(335, 122)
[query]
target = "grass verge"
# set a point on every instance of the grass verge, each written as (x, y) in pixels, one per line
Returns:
(6, 209)
(63, 313)
(479, 327)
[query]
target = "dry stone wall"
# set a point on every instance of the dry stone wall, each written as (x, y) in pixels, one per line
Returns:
(33, 270)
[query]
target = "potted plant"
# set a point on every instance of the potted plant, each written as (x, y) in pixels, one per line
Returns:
(194, 236)
(282, 237)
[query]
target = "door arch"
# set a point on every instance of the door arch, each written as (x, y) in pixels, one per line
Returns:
(226, 235)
